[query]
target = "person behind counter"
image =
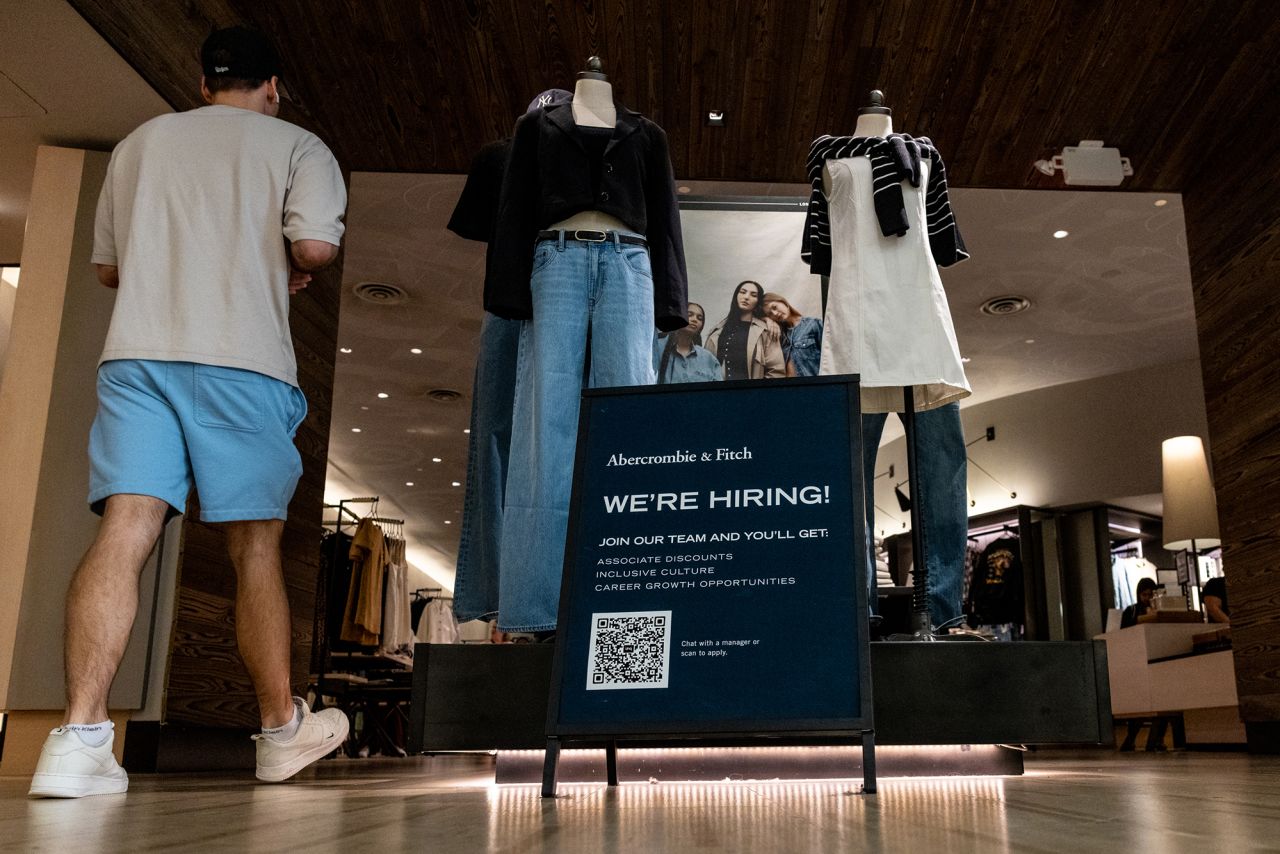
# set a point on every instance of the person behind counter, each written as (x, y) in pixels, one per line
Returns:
(1145, 591)
(1214, 596)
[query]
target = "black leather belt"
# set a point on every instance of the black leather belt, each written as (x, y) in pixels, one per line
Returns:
(588, 236)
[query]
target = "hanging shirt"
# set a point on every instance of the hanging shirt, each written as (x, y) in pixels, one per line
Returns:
(997, 584)
(363, 621)
(438, 625)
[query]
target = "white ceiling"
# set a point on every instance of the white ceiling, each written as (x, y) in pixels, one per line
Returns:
(60, 84)
(1113, 296)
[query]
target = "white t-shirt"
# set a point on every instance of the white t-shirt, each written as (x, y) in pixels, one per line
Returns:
(194, 213)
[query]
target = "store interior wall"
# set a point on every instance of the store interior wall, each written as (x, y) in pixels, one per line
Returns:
(8, 296)
(47, 403)
(1233, 265)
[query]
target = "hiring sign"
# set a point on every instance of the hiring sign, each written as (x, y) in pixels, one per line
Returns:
(715, 572)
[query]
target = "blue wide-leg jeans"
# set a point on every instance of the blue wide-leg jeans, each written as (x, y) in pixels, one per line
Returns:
(475, 591)
(585, 295)
(942, 495)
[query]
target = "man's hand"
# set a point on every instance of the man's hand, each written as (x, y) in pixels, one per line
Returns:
(298, 280)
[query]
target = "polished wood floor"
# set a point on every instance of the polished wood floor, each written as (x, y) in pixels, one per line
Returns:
(1093, 801)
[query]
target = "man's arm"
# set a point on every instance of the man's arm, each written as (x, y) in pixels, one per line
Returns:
(308, 256)
(1213, 608)
(108, 275)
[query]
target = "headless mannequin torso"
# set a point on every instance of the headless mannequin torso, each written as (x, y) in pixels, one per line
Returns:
(593, 107)
(869, 124)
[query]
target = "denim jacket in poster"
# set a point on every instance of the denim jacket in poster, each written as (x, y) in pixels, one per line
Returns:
(549, 178)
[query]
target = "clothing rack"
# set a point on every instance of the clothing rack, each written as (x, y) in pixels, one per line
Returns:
(319, 626)
(425, 593)
(993, 529)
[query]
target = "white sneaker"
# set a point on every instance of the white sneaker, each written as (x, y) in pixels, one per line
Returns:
(69, 768)
(318, 735)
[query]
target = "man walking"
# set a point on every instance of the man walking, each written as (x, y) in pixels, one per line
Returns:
(207, 222)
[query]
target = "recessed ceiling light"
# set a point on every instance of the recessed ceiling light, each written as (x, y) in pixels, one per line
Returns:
(419, 469)
(417, 351)
(965, 359)
(1060, 233)
(1029, 341)
(382, 395)
(683, 190)
(344, 349)
(467, 431)
(408, 483)
(448, 522)
(436, 460)
(355, 430)
(365, 408)
(456, 483)
(1161, 202)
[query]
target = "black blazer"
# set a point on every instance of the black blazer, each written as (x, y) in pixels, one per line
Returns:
(549, 178)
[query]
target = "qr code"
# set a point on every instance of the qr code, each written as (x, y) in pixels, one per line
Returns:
(629, 649)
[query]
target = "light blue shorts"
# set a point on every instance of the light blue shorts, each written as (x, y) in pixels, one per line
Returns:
(163, 427)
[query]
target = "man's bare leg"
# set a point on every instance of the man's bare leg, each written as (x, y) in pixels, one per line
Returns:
(262, 615)
(103, 600)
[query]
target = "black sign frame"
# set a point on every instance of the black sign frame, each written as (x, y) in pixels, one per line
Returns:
(855, 728)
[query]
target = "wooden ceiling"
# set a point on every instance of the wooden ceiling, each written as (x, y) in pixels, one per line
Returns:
(396, 85)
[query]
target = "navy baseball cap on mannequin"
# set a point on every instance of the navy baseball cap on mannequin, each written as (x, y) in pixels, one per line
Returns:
(549, 98)
(241, 53)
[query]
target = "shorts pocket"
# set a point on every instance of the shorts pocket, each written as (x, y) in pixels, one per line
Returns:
(229, 399)
(298, 401)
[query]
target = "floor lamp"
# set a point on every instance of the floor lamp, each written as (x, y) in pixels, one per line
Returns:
(1190, 505)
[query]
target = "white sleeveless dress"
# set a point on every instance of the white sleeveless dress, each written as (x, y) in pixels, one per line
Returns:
(887, 317)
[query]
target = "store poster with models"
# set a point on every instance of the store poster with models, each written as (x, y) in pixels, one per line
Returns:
(715, 576)
(755, 309)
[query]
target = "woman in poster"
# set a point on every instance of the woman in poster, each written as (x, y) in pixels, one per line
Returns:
(679, 357)
(802, 336)
(743, 342)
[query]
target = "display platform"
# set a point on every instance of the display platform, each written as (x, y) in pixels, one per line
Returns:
(487, 697)
(797, 762)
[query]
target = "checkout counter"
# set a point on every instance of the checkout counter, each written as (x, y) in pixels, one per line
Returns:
(1155, 672)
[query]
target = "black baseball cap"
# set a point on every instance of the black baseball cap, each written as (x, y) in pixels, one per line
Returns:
(241, 53)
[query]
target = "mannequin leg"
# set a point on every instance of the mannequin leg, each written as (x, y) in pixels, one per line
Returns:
(475, 589)
(549, 371)
(622, 318)
(943, 478)
(872, 428)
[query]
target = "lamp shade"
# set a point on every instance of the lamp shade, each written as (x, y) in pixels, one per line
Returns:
(1190, 505)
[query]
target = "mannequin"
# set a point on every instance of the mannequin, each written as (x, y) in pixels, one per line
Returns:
(890, 228)
(593, 107)
(873, 120)
(589, 257)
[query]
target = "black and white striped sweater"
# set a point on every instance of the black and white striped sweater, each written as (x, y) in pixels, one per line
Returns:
(894, 159)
